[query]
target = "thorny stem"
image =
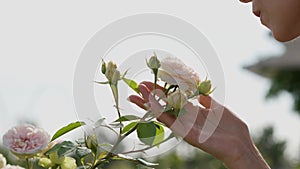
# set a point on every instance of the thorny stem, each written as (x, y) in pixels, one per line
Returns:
(155, 78)
(121, 138)
(124, 136)
(29, 164)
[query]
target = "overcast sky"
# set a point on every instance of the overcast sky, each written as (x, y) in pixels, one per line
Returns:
(40, 42)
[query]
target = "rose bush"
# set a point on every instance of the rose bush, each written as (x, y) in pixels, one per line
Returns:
(33, 145)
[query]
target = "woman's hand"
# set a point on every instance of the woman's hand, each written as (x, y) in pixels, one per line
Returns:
(227, 138)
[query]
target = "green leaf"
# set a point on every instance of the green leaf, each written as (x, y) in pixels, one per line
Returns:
(107, 82)
(65, 149)
(116, 125)
(127, 118)
(146, 132)
(160, 134)
(67, 129)
(91, 143)
(82, 152)
(99, 122)
(62, 148)
(105, 145)
(146, 163)
(132, 84)
(124, 74)
(129, 127)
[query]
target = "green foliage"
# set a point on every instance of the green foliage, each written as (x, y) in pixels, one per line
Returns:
(272, 149)
(129, 127)
(82, 152)
(127, 118)
(132, 84)
(286, 80)
(159, 135)
(67, 129)
(195, 159)
(297, 167)
(62, 148)
(150, 133)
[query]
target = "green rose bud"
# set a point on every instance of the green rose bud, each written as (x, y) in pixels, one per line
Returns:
(103, 67)
(205, 88)
(55, 159)
(110, 70)
(111, 73)
(45, 162)
(68, 163)
(153, 62)
(116, 77)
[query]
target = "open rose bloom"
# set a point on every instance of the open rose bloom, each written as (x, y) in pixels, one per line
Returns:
(26, 139)
(175, 72)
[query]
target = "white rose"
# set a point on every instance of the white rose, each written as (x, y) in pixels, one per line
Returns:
(2, 161)
(175, 72)
(177, 100)
(12, 167)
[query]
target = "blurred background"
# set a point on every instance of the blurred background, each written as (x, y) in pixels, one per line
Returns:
(40, 42)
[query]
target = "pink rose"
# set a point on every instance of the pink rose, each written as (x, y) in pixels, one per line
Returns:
(26, 139)
(175, 72)
(12, 167)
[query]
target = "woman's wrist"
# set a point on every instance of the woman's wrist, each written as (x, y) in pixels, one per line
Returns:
(249, 157)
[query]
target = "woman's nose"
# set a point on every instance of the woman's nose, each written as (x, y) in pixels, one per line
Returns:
(245, 1)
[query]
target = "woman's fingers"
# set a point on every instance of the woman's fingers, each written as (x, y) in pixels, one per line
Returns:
(138, 101)
(208, 102)
(145, 92)
(194, 114)
(153, 97)
(205, 101)
(155, 106)
(150, 86)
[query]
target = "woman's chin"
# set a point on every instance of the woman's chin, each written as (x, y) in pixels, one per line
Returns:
(285, 36)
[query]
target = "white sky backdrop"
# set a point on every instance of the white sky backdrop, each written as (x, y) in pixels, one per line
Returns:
(40, 42)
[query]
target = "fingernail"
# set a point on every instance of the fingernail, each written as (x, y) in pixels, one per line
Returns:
(146, 105)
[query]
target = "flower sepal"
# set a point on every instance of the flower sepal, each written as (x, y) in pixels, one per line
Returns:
(205, 88)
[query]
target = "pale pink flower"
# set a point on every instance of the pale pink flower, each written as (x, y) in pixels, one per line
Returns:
(175, 72)
(12, 167)
(26, 139)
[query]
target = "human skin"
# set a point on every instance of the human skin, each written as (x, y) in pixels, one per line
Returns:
(230, 142)
(282, 17)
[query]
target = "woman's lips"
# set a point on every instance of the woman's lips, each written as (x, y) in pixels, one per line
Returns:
(256, 13)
